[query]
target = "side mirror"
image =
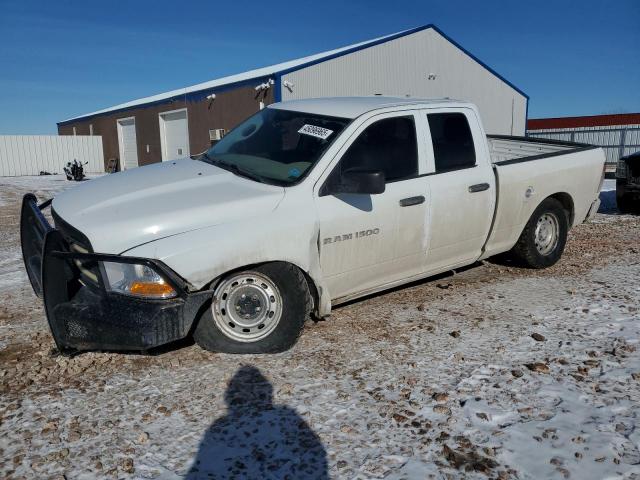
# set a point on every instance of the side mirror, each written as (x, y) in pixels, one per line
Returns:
(360, 180)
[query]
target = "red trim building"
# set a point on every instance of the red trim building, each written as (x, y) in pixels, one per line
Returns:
(588, 121)
(617, 134)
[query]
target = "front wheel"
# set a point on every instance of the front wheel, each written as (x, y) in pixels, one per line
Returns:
(544, 237)
(261, 310)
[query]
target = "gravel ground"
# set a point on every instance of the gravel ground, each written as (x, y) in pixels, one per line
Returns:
(494, 372)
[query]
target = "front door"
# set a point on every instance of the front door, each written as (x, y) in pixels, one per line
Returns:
(369, 240)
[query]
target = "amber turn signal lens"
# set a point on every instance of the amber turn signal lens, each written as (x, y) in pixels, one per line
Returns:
(152, 289)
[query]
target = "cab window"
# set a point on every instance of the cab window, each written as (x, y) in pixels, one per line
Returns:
(388, 145)
(452, 141)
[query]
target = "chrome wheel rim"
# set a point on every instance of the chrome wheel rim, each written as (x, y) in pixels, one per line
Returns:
(547, 233)
(247, 307)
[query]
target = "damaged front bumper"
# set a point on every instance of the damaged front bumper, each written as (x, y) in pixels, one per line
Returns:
(82, 313)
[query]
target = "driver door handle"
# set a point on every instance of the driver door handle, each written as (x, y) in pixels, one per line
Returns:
(479, 187)
(407, 202)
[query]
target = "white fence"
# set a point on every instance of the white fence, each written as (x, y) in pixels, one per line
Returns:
(617, 140)
(32, 154)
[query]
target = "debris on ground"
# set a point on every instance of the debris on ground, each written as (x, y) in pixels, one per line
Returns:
(544, 382)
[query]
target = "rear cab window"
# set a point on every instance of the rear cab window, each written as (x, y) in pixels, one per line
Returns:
(453, 147)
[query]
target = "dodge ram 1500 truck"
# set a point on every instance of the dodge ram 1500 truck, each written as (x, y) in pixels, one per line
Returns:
(303, 206)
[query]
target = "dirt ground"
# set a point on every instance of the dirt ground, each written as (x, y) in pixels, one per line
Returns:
(494, 372)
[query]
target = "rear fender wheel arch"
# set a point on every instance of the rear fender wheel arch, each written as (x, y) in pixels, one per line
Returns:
(544, 236)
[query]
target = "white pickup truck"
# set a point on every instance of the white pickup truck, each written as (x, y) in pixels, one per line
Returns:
(303, 206)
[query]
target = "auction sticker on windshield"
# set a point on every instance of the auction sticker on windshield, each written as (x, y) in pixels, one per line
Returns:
(318, 132)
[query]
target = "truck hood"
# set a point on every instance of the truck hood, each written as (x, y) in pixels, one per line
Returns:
(120, 211)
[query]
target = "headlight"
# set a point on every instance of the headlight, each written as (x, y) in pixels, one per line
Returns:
(136, 280)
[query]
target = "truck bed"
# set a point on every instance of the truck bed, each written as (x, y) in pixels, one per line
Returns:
(529, 170)
(505, 150)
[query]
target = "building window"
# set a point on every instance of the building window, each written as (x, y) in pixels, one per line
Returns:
(91, 129)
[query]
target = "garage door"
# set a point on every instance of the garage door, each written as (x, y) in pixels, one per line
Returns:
(174, 134)
(127, 143)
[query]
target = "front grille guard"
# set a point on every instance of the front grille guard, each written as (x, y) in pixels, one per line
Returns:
(40, 241)
(34, 228)
(84, 315)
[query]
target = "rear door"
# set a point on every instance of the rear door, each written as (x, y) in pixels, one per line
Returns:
(369, 240)
(462, 185)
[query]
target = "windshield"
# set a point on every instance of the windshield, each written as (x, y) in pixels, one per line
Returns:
(275, 146)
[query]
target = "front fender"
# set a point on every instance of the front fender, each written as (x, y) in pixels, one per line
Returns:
(203, 255)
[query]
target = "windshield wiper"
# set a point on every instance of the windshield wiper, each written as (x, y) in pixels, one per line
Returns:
(202, 155)
(241, 172)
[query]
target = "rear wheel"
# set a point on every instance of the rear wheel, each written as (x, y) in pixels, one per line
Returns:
(261, 310)
(544, 237)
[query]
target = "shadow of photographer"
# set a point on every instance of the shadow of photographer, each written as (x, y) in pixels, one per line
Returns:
(257, 439)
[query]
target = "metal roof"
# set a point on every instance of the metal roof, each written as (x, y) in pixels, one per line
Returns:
(352, 107)
(280, 69)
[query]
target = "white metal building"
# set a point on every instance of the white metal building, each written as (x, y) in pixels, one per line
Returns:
(617, 134)
(422, 62)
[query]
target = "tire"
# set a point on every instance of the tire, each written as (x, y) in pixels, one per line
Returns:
(261, 310)
(544, 237)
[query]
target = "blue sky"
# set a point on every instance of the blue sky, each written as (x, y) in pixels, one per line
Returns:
(63, 58)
